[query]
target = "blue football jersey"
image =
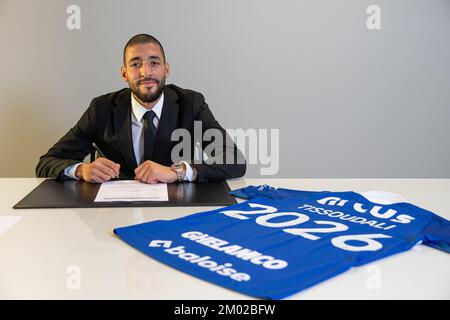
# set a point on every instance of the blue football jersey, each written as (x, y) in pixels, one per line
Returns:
(435, 233)
(281, 241)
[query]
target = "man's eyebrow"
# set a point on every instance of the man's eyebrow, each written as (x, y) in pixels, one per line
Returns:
(133, 59)
(138, 58)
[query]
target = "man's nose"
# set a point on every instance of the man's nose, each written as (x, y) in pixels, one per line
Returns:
(146, 70)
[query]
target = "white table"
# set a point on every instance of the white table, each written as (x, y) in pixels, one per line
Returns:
(73, 253)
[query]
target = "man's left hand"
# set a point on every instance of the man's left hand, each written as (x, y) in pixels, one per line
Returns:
(152, 172)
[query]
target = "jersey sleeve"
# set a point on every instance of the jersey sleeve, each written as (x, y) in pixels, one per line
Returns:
(437, 233)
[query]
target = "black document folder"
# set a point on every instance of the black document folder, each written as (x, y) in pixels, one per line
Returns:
(79, 194)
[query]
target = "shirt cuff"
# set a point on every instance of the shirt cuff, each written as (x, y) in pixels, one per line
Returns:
(70, 171)
(189, 176)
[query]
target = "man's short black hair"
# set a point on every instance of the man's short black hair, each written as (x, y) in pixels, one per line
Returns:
(140, 39)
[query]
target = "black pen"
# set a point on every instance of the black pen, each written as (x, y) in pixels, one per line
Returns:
(100, 153)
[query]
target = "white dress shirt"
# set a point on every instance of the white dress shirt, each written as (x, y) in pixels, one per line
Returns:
(137, 133)
(137, 124)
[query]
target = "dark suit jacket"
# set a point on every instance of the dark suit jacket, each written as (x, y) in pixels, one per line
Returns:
(107, 122)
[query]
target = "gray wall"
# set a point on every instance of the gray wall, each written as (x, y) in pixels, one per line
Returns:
(349, 102)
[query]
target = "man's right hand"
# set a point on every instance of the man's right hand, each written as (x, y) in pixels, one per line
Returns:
(99, 171)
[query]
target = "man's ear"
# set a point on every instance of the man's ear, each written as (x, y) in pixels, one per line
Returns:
(123, 73)
(167, 69)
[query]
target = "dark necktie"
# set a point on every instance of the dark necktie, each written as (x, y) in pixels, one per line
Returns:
(149, 135)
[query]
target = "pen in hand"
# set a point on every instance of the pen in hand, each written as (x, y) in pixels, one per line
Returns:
(101, 153)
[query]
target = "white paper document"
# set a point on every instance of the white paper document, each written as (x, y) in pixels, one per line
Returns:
(131, 190)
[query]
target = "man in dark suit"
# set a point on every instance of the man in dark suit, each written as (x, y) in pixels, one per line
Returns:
(133, 128)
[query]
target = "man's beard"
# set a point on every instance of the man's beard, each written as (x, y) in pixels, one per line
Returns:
(148, 97)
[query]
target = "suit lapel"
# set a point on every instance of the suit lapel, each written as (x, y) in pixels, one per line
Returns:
(167, 124)
(122, 127)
